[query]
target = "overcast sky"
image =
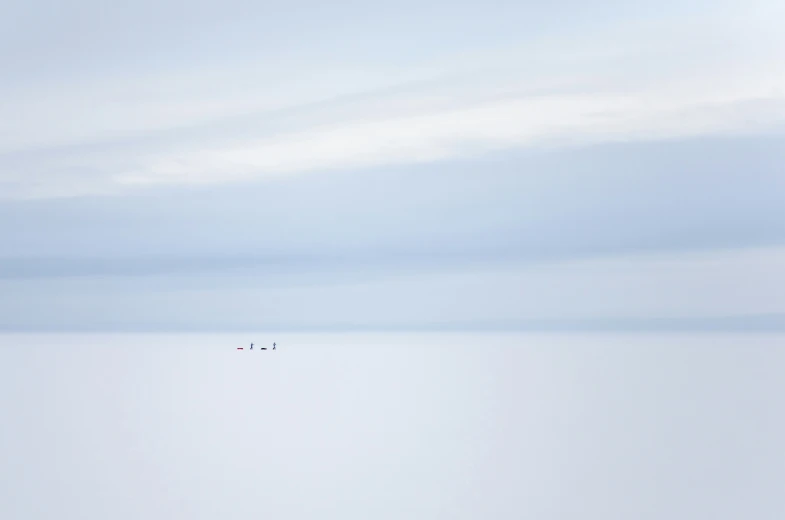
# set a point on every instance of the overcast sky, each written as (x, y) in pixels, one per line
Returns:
(235, 164)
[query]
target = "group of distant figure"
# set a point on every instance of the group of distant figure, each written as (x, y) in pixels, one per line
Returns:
(262, 348)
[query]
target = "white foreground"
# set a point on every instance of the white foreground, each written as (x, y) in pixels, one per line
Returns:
(392, 426)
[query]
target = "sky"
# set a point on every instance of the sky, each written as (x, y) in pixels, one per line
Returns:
(306, 165)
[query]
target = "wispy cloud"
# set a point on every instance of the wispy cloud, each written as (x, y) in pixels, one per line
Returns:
(424, 162)
(619, 289)
(669, 77)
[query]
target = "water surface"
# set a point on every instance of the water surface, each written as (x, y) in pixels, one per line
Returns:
(389, 426)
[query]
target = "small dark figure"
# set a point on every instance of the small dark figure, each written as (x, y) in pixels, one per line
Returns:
(251, 346)
(273, 346)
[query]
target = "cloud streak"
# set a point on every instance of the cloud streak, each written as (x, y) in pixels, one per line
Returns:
(248, 119)
(642, 289)
(311, 165)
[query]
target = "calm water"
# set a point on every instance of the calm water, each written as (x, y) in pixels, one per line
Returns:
(424, 426)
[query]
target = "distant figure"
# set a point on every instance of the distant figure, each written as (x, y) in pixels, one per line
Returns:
(251, 346)
(273, 346)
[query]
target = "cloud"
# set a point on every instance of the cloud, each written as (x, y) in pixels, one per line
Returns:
(444, 163)
(688, 194)
(612, 290)
(467, 132)
(252, 117)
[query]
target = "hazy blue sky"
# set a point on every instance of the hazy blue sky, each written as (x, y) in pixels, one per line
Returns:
(239, 164)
